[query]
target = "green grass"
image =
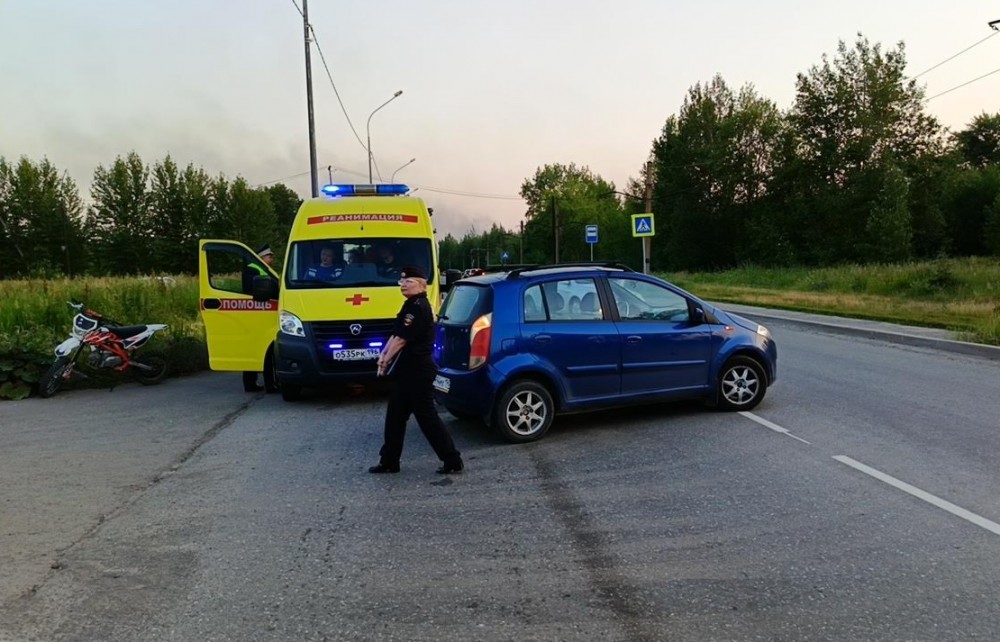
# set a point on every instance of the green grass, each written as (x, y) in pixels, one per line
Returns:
(34, 318)
(40, 306)
(962, 295)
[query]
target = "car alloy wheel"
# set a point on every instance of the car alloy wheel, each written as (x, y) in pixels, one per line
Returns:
(742, 384)
(525, 412)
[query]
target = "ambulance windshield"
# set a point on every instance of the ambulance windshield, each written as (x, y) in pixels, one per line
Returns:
(340, 263)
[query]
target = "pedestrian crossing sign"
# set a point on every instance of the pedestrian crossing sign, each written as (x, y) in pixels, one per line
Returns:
(642, 224)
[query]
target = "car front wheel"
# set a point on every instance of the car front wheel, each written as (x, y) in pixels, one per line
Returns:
(742, 384)
(524, 412)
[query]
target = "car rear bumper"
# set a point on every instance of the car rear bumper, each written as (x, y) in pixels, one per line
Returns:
(469, 392)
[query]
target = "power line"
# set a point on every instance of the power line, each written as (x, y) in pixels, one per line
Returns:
(955, 56)
(329, 76)
(962, 85)
(334, 85)
(278, 180)
(442, 190)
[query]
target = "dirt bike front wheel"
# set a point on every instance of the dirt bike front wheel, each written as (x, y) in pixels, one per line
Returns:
(54, 377)
(150, 368)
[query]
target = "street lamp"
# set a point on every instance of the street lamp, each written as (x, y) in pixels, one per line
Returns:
(393, 179)
(368, 127)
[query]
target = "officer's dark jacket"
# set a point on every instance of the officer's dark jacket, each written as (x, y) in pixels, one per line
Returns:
(415, 324)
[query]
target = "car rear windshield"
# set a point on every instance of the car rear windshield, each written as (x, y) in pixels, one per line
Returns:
(466, 303)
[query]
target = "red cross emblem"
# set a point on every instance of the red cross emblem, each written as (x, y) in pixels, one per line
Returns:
(357, 299)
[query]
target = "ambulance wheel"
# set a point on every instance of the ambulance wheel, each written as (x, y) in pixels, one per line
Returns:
(270, 373)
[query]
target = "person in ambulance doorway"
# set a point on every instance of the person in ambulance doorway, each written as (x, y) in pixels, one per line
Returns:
(251, 271)
(407, 356)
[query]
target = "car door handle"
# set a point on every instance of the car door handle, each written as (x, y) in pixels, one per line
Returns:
(542, 338)
(597, 339)
(633, 339)
(211, 304)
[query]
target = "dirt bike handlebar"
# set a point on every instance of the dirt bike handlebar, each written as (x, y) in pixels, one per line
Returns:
(93, 314)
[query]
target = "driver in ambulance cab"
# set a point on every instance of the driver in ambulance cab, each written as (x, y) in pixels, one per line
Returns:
(330, 266)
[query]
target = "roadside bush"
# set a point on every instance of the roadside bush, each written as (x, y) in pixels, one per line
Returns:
(24, 357)
(34, 318)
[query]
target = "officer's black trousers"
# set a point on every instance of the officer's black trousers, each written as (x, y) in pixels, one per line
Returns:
(249, 381)
(413, 394)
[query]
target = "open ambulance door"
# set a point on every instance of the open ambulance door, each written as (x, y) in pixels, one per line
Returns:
(238, 329)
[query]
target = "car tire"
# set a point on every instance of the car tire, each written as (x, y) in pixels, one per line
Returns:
(742, 384)
(524, 412)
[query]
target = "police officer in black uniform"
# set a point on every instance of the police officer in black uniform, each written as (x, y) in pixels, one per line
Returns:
(407, 355)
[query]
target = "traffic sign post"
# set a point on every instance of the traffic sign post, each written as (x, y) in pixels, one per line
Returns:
(590, 236)
(643, 227)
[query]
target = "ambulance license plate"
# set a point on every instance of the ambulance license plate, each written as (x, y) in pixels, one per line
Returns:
(359, 354)
(442, 383)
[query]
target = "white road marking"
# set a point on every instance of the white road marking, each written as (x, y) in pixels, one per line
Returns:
(773, 426)
(958, 511)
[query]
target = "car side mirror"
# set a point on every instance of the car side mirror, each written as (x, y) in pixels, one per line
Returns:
(698, 317)
(265, 288)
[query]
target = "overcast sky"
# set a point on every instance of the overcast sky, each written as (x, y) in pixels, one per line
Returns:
(491, 90)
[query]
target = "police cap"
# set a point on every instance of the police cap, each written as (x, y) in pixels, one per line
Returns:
(412, 272)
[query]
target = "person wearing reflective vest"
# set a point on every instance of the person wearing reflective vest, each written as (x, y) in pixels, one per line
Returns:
(250, 272)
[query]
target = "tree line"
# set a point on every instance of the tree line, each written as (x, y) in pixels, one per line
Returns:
(856, 170)
(141, 219)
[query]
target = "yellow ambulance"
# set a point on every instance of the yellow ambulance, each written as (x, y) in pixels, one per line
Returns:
(327, 316)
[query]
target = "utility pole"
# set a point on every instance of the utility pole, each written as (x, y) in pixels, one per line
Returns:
(647, 245)
(313, 169)
(522, 243)
(555, 226)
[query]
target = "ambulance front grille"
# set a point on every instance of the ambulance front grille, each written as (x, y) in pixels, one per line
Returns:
(326, 333)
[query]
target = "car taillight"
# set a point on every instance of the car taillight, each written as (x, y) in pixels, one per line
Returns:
(479, 341)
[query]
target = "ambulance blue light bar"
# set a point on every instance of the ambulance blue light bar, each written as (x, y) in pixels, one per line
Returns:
(389, 189)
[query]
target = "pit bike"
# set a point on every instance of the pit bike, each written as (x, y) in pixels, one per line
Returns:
(107, 345)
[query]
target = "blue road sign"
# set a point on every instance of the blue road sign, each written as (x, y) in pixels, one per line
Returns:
(504, 257)
(642, 225)
(590, 234)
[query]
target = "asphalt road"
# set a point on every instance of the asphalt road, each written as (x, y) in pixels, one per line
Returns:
(859, 501)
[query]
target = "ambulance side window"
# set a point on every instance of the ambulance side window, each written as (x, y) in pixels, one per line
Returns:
(226, 268)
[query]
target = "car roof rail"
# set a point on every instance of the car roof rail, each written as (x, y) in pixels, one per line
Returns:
(615, 265)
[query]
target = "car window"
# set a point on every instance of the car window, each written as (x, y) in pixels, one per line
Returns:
(642, 300)
(465, 303)
(534, 308)
(565, 300)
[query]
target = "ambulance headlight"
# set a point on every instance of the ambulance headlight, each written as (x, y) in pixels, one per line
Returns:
(290, 324)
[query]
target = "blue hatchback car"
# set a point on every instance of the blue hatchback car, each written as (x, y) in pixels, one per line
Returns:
(517, 348)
